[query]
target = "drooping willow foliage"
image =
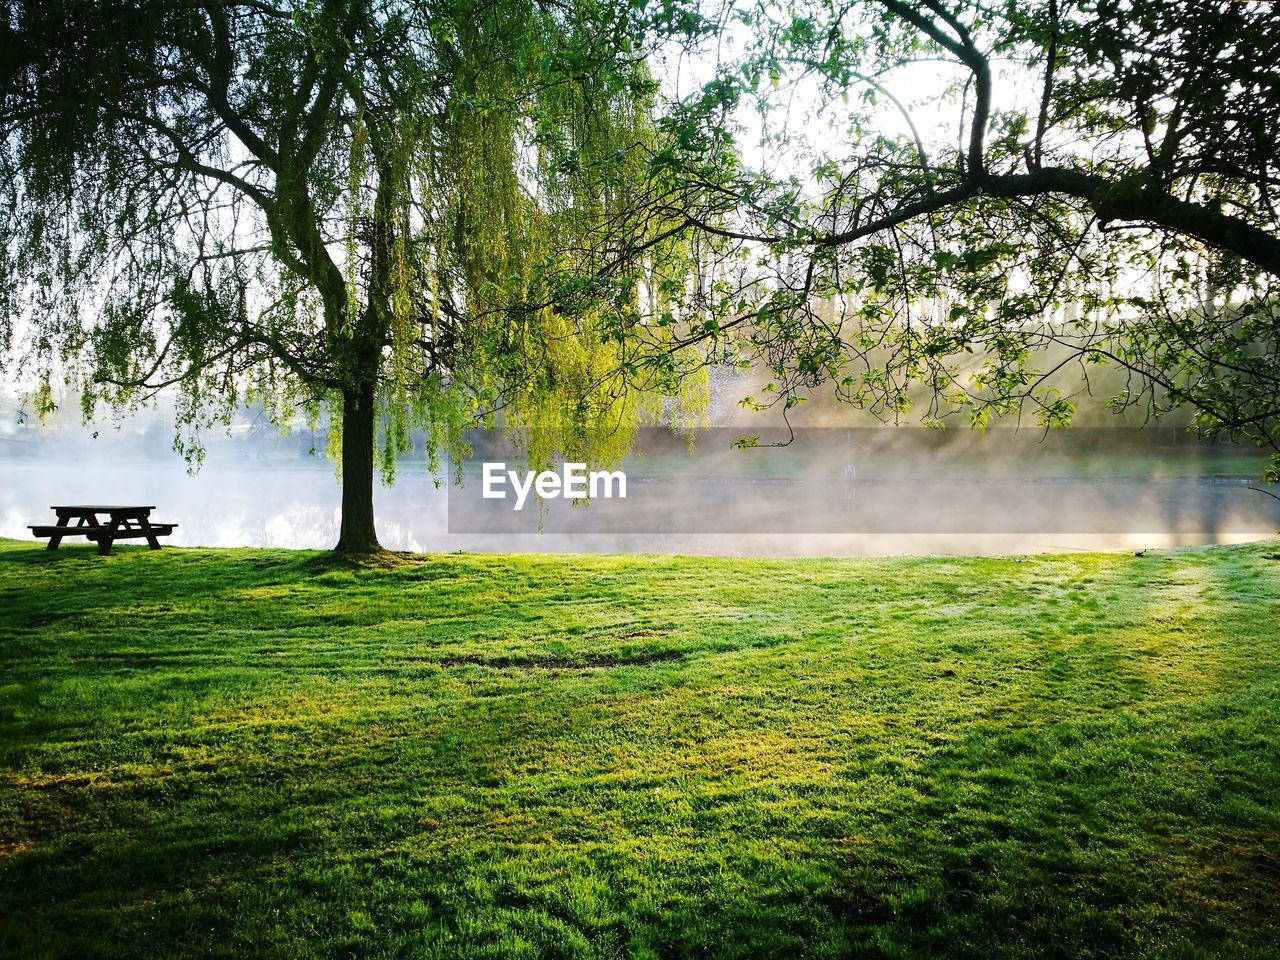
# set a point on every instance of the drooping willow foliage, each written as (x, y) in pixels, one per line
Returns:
(382, 208)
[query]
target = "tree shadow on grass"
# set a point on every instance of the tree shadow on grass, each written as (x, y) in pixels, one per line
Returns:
(471, 811)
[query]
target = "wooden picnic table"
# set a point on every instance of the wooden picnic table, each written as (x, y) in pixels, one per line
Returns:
(123, 523)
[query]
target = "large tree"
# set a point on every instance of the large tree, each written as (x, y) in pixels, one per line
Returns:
(382, 208)
(958, 199)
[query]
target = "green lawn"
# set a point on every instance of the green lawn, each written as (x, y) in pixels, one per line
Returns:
(270, 753)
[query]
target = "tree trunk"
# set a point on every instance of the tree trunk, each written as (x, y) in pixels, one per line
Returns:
(357, 534)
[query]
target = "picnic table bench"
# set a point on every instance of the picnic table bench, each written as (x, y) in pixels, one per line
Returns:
(123, 523)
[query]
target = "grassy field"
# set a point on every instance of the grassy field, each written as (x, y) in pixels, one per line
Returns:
(268, 753)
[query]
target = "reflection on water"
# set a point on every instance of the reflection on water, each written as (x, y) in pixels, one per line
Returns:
(296, 505)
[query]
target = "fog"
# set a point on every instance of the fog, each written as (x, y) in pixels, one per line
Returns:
(830, 492)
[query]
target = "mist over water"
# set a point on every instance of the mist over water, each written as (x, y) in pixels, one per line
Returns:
(832, 492)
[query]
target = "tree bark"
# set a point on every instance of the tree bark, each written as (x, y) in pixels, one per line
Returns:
(357, 534)
(1116, 200)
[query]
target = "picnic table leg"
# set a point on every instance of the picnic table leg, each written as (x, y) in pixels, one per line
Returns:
(152, 542)
(57, 537)
(105, 539)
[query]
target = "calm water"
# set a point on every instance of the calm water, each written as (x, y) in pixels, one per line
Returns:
(296, 505)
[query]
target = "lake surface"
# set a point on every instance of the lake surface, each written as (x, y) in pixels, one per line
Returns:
(295, 504)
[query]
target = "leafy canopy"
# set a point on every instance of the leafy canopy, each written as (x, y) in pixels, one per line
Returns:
(945, 205)
(308, 203)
